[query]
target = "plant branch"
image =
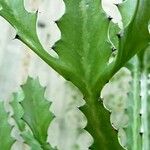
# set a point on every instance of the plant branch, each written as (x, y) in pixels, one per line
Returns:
(98, 118)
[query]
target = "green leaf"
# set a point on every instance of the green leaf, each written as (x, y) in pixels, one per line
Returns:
(36, 111)
(135, 36)
(127, 10)
(84, 55)
(31, 141)
(25, 25)
(6, 140)
(17, 115)
(25, 115)
(18, 110)
(87, 50)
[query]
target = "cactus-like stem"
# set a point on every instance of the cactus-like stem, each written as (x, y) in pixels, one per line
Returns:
(145, 111)
(133, 109)
(99, 126)
(149, 110)
(145, 99)
(138, 134)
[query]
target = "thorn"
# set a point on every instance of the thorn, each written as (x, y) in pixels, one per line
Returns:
(117, 5)
(114, 128)
(84, 97)
(101, 99)
(68, 79)
(56, 21)
(141, 133)
(125, 109)
(22, 86)
(119, 35)
(107, 82)
(140, 96)
(20, 103)
(110, 18)
(53, 47)
(113, 49)
(37, 11)
(17, 37)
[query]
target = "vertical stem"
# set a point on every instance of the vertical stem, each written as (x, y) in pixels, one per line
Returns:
(145, 98)
(133, 109)
(136, 106)
(99, 126)
(139, 104)
(144, 110)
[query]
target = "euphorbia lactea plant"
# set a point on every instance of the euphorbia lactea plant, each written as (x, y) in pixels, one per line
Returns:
(84, 51)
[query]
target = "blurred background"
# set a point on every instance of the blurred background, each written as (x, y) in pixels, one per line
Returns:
(17, 62)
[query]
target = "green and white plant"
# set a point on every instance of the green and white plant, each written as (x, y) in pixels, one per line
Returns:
(91, 50)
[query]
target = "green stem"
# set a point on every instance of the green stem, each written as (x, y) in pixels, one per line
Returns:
(99, 126)
(139, 105)
(136, 107)
(148, 110)
(145, 98)
(133, 109)
(145, 113)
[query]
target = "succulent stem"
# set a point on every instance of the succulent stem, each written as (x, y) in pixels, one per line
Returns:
(133, 109)
(99, 126)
